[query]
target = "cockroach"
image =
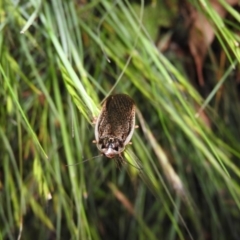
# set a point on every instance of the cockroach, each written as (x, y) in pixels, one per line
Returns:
(115, 125)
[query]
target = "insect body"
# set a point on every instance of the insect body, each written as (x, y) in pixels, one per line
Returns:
(115, 125)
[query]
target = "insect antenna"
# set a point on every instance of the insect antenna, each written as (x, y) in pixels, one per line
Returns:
(120, 160)
(85, 160)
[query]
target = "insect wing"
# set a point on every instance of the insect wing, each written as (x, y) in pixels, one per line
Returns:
(115, 124)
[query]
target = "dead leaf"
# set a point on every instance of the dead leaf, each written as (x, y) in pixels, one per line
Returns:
(201, 35)
(122, 198)
(201, 114)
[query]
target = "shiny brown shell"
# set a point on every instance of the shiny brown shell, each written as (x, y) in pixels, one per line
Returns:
(115, 124)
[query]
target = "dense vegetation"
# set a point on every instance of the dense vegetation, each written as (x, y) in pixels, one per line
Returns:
(178, 60)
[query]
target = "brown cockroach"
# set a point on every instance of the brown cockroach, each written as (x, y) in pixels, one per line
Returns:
(115, 125)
